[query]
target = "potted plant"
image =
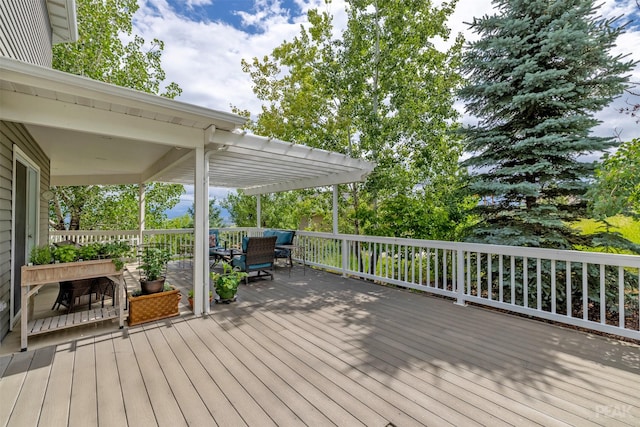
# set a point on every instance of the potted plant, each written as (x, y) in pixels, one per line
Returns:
(154, 263)
(190, 297)
(226, 283)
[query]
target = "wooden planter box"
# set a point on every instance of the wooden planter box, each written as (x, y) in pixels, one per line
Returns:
(147, 308)
(67, 271)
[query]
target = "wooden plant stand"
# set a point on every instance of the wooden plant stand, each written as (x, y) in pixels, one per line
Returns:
(36, 276)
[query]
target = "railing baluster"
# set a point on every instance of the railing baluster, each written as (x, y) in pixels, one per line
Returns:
(513, 280)
(525, 282)
(478, 274)
(468, 284)
(569, 290)
(539, 284)
(553, 286)
(500, 279)
(444, 269)
(621, 297)
(585, 292)
(603, 298)
(489, 277)
(437, 265)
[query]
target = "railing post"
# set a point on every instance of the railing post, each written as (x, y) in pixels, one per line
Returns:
(460, 278)
(345, 256)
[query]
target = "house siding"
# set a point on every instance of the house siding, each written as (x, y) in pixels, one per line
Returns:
(15, 133)
(25, 31)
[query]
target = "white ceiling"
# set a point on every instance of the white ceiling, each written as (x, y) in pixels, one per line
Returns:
(95, 133)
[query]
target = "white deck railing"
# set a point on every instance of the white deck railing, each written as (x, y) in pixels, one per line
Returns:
(591, 290)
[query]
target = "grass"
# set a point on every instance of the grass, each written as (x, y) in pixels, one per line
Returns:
(628, 227)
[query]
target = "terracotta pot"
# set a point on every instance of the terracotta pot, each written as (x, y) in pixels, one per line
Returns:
(152, 286)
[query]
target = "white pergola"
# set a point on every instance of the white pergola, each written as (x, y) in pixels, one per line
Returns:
(97, 133)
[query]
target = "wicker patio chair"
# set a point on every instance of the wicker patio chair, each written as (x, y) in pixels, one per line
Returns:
(257, 256)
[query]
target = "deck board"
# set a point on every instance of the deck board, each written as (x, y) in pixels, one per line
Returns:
(55, 406)
(111, 408)
(318, 349)
(83, 407)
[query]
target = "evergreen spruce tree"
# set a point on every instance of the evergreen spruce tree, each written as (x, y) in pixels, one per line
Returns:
(538, 73)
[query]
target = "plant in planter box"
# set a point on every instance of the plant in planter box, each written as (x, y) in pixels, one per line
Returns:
(226, 283)
(89, 252)
(40, 255)
(116, 251)
(154, 263)
(65, 253)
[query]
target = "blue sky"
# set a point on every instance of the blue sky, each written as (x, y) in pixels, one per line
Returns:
(236, 13)
(205, 40)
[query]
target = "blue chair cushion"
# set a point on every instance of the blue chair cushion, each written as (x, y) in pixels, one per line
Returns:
(245, 241)
(283, 237)
(240, 261)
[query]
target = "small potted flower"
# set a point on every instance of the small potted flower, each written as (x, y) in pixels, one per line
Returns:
(226, 283)
(190, 297)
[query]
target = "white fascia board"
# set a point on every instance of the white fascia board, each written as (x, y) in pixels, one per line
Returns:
(22, 73)
(22, 108)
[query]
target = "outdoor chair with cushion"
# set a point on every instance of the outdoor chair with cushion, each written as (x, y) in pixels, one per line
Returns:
(257, 256)
(283, 237)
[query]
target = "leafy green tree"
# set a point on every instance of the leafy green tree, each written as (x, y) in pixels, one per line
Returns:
(100, 54)
(617, 187)
(381, 92)
(113, 207)
(536, 76)
(276, 210)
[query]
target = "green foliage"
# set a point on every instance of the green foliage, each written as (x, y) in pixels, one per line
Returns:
(65, 253)
(112, 207)
(154, 262)
(88, 252)
(278, 210)
(617, 186)
(184, 221)
(101, 54)
(381, 91)
(226, 283)
(41, 255)
(536, 76)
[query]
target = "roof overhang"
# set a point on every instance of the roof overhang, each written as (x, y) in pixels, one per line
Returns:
(97, 133)
(62, 17)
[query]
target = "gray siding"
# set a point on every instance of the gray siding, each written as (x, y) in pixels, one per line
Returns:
(15, 133)
(25, 33)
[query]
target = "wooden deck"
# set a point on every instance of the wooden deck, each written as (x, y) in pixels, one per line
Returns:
(318, 350)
